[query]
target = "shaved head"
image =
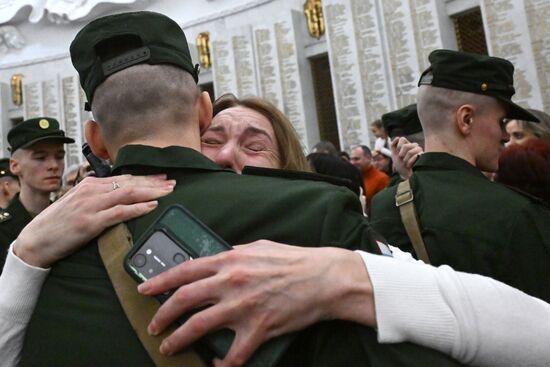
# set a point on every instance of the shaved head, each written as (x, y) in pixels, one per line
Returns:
(130, 101)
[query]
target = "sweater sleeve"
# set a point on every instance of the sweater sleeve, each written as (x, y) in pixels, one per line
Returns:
(20, 286)
(475, 319)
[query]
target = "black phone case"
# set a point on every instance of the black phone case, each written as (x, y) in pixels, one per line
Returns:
(218, 342)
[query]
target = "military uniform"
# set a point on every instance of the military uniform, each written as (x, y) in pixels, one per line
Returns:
(12, 221)
(472, 224)
(78, 320)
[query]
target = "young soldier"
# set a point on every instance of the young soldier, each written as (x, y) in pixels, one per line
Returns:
(467, 221)
(37, 159)
(8, 182)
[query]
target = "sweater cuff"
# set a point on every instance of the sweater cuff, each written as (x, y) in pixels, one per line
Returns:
(408, 303)
(20, 286)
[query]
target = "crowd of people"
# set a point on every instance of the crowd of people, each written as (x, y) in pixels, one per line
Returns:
(430, 247)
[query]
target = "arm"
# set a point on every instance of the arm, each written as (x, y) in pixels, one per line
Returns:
(19, 289)
(475, 319)
(80, 215)
(266, 289)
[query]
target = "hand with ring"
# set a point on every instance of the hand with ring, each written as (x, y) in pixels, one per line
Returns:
(84, 212)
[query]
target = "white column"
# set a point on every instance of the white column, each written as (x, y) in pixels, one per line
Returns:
(538, 21)
(508, 37)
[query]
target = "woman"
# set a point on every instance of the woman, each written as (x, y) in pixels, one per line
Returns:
(522, 131)
(527, 167)
(251, 131)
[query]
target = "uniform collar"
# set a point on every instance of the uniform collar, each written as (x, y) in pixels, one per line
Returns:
(169, 157)
(445, 161)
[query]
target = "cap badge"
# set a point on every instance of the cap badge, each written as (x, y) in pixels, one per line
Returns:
(44, 124)
(484, 87)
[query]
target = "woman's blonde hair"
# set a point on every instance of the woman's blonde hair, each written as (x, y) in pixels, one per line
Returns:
(291, 154)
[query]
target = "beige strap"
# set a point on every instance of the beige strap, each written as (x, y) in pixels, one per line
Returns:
(113, 245)
(404, 201)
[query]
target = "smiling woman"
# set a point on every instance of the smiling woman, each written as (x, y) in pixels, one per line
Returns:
(252, 132)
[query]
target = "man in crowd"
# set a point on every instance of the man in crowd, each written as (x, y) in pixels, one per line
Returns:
(37, 159)
(137, 74)
(9, 183)
(467, 221)
(373, 179)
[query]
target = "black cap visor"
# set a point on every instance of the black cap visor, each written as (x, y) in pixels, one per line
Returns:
(516, 112)
(53, 139)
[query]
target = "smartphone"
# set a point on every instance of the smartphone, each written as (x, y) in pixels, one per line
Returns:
(176, 237)
(100, 167)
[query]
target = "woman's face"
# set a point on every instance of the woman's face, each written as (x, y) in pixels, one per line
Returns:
(240, 136)
(518, 135)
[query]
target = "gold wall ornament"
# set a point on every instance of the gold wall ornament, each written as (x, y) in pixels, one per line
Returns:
(313, 10)
(17, 89)
(203, 47)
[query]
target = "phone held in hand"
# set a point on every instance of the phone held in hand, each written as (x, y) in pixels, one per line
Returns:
(176, 237)
(100, 167)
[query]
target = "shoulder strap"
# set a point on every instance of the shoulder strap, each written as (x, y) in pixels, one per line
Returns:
(404, 201)
(113, 245)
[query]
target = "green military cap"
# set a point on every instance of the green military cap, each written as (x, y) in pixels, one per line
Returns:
(34, 130)
(402, 122)
(115, 42)
(5, 168)
(480, 74)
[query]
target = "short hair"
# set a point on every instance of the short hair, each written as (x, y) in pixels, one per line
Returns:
(291, 154)
(436, 106)
(135, 101)
(377, 123)
(366, 150)
(542, 129)
(325, 147)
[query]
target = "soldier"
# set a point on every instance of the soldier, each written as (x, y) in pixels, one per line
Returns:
(467, 221)
(37, 159)
(9, 183)
(137, 74)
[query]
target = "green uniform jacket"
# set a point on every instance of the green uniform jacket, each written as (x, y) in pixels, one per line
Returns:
(79, 322)
(472, 224)
(14, 218)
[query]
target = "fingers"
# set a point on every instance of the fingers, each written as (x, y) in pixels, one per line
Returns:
(123, 213)
(185, 273)
(242, 348)
(196, 327)
(185, 299)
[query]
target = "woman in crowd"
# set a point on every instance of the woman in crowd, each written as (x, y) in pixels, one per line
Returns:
(251, 131)
(526, 167)
(522, 131)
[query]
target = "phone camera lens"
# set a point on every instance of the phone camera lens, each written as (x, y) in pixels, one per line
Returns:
(139, 260)
(179, 258)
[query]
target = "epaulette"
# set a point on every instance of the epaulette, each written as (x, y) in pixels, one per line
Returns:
(299, 175)
(527, 195)
(4, 216)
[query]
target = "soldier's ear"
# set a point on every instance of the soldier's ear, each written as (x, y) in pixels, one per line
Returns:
(204, 105)
(93, 135)
(465, 119)
(14, 163)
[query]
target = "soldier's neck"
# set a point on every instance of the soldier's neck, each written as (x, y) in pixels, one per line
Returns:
(188, 139)
(434, 145)
(33, 201)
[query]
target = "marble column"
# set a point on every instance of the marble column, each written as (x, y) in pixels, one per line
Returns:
(509, 37)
